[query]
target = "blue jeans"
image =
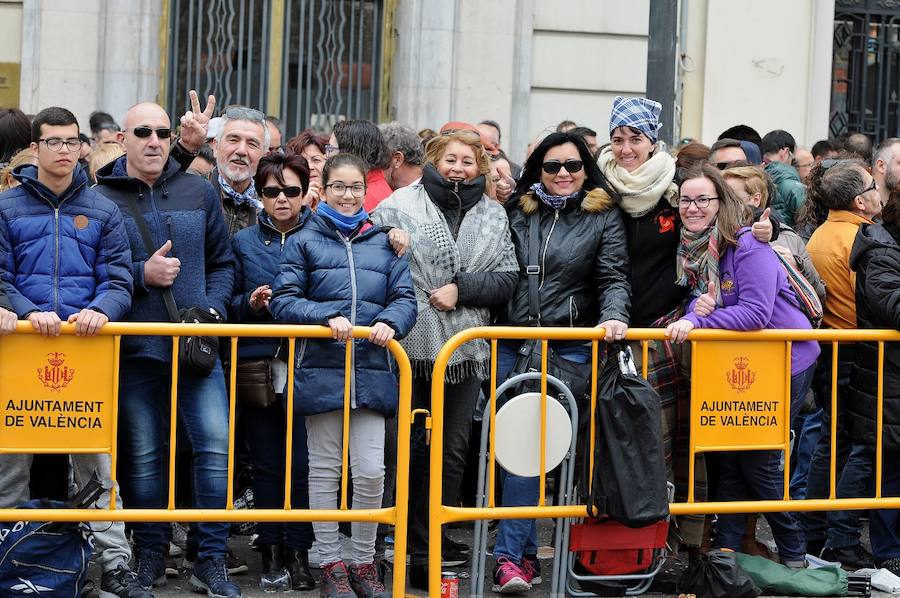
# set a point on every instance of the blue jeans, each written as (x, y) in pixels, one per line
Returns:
(518, 537)
(756, 475)
(144, 425)
(265, 432)
(804, 447)
(884, 524)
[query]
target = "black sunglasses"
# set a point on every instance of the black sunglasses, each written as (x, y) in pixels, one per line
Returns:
(571, 166)
(144, 132)
(273, 192)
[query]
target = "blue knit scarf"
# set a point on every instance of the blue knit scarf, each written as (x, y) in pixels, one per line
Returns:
(345, 224)
(248, 196)
(557, 202)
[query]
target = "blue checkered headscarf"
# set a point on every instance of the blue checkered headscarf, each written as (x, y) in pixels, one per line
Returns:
(639, 113)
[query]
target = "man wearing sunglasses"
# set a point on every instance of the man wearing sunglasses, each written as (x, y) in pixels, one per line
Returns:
(66, 259)
(242, 140)
(189, 254)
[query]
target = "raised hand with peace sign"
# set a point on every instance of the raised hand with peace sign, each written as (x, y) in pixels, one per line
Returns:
(195, 123)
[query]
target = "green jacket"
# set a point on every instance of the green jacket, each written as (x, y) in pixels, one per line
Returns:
(790, 192)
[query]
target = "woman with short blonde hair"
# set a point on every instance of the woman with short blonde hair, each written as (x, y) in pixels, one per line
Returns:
(463, 262)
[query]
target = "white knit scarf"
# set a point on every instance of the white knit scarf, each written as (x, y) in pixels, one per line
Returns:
(642, 188)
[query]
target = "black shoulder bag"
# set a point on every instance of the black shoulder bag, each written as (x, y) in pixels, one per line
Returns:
(196, 354)
(577, 376)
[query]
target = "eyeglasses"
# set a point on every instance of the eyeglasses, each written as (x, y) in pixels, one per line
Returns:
(273, 192)
(331, 150)
(341, 189)
(701, 202)
(554, 166)
(243, 113)
(56, 144)
(144, 132)
(872, 187)
(723, 165)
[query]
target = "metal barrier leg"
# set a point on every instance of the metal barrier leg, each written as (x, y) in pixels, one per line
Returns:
(479, 547)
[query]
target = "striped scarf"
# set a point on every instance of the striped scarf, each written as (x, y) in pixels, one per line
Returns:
(698, 261)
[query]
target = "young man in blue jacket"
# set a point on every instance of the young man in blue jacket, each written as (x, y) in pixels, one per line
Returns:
(64, 257)
(190, 255)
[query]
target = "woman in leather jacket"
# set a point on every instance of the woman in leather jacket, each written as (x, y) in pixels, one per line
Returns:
(572, 272)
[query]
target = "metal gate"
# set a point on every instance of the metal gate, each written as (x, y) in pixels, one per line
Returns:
(866, 68)
(308, 62)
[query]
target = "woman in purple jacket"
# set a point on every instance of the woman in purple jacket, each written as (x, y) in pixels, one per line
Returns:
(738, 283)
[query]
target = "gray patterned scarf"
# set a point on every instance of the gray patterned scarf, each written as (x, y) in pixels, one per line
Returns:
(482, 245)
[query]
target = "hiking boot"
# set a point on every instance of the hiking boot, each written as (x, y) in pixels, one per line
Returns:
(274, 575)
(211, 576)
(892, 565)
(509, 577)
(851, 558)
(366, 583)
(150, 567)
(297, 563)
(336, 581)
(122, 582)
(531, 567)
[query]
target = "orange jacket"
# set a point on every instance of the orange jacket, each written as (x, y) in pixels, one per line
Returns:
(829, 247)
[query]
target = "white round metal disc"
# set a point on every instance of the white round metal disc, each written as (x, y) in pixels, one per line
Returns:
(518, 434)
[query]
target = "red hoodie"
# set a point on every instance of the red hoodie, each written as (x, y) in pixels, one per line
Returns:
(377, 189)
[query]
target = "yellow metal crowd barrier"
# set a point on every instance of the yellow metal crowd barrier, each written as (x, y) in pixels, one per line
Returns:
(59, 395)
(752, 369)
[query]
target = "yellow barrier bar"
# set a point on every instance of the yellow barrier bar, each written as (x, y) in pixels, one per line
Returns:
(289, 433)
(384, 515)
(401, 510)
(692, 442)
(459, 514)
(114, 449)
(879, 425)
(232, 416)
(436, 464)
(832, 468)
(492, 426)
(595, 357)
(542, 459)
(739, 447)
(443, 514)
(345, 441)
(645, 357)
(396, 516)
(173, 420)
(493, 332)
(787, 419)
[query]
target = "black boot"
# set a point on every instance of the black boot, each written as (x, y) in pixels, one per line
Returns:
(297, 562)
(274, 575)
(418, 577)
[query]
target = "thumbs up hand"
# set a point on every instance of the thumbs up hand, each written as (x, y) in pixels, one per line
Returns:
(706, 303)
(762, 230)
(159, 270)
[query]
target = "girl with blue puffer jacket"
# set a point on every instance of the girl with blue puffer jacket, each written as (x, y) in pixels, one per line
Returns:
(340, 271)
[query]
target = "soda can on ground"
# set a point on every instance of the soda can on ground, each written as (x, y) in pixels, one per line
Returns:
(449, 584)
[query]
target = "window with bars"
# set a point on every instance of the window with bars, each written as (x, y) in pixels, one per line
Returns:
(329, 61)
